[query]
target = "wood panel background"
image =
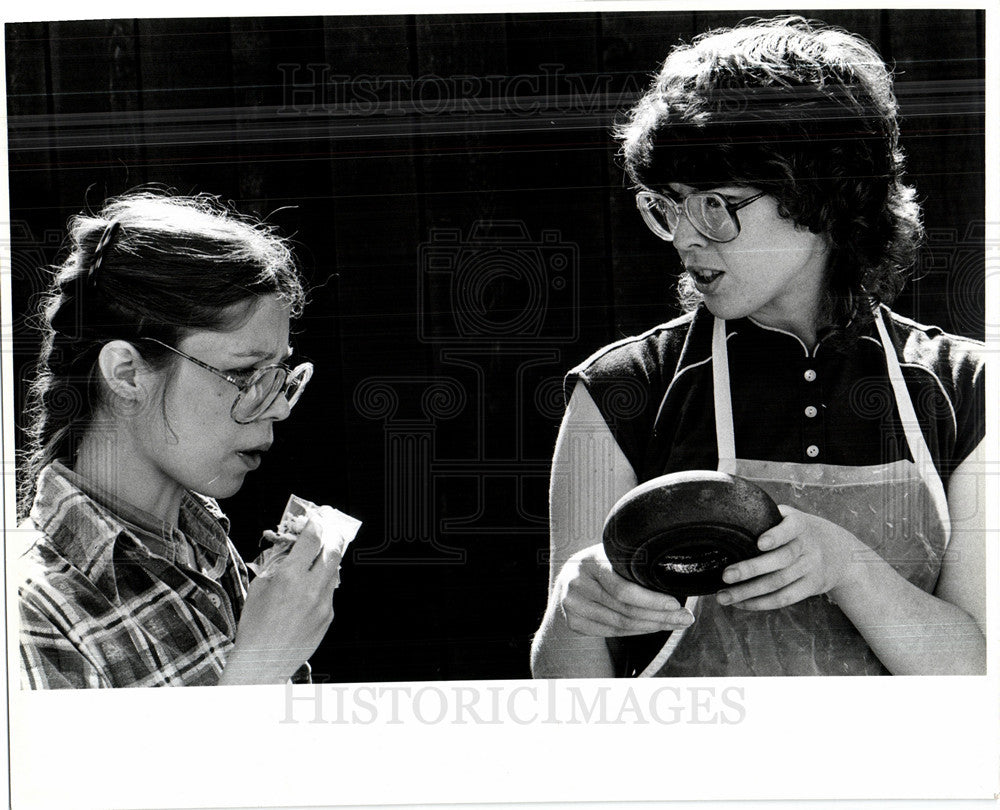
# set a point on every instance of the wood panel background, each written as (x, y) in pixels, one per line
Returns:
(468, 236)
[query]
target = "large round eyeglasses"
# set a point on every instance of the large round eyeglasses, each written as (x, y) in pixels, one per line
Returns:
(709, 212)
(261, 389)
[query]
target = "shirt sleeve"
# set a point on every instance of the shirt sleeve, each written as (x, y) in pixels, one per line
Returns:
(49, 660)
(970, 409)
(950, 396)
(627, 381)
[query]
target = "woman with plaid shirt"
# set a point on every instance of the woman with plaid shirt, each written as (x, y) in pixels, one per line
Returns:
(160, 380)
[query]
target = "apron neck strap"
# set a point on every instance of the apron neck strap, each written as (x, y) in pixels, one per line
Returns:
(725, 435)
(907, 414)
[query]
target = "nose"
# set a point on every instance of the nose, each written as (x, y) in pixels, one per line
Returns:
(278, 410)
(686, 235)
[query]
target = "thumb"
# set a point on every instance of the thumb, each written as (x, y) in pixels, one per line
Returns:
(307, 545)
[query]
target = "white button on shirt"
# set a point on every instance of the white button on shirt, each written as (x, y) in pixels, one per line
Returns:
(812, 451)
(810, 375)
(811, 411)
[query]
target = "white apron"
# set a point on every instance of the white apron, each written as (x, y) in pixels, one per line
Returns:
(898, 510)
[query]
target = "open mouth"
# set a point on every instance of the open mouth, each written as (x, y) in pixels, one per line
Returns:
(252, 458)
(703, 275)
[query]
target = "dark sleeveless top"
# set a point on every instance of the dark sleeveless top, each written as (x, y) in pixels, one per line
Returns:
(832, 405)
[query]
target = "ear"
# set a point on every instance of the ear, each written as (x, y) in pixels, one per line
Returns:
(123, 370)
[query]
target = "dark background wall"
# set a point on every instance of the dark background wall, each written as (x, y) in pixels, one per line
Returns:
(468, 235)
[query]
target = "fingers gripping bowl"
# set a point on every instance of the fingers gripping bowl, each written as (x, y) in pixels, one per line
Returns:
(677, 533)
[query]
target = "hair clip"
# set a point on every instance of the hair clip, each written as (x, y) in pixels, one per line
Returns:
(98, 256)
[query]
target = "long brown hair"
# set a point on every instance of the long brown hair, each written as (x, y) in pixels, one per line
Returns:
(149, 264)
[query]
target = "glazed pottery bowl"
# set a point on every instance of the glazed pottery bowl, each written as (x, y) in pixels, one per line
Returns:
(678, 532)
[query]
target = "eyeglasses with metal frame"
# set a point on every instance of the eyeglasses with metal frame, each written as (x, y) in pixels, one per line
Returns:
(261, 390)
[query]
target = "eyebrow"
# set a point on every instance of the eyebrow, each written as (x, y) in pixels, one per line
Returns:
(738, 192)
(731, 194)
(261, 354)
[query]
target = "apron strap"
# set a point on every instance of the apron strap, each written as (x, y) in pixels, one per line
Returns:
(725, 435)
(670, 645)
(911, 426)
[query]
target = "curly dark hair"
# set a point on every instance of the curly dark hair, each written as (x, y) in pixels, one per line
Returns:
(805, 112)
(149, 264)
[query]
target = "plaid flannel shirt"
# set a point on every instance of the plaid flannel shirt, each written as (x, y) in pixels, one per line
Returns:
(101, 608)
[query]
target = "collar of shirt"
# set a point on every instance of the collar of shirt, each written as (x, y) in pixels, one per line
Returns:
(85, 523)
(768, 338)
(826, 340)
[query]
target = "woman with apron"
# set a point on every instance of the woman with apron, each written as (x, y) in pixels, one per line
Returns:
(768, 155)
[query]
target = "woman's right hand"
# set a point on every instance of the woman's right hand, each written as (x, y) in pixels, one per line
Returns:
(287, 612)
(595, 601)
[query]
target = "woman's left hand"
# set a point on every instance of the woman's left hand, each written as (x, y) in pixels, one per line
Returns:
(802, 556)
